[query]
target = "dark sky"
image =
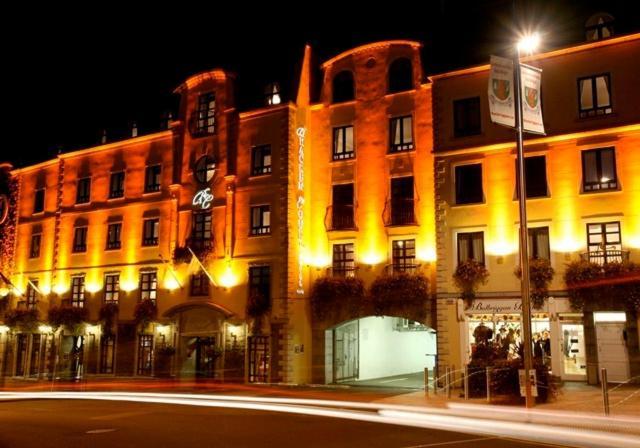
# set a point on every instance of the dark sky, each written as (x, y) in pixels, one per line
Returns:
(72, 73)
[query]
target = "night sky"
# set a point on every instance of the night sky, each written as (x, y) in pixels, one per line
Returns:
(72, 73)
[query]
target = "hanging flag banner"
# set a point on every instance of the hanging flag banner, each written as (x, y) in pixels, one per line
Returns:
(501, 100)
(530, 78)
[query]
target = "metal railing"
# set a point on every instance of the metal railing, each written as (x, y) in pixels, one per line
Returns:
(344, 272)
(399, 212)
(409, 268)
(340, 217)
(606, 256)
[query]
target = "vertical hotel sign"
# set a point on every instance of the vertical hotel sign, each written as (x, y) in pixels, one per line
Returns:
(301, 131)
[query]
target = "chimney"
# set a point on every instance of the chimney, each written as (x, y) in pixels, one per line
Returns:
(134, 129)
(103, 139)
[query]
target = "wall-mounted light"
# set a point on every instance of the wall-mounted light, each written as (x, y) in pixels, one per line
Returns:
(45, 329)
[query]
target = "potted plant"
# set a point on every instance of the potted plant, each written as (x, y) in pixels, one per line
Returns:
(20, 319)
(468, 276)
(164, 354)
(540, 275)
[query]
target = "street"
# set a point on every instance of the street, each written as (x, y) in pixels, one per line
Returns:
(57, 423)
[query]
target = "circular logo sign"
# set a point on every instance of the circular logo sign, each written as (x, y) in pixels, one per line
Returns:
(4, 208)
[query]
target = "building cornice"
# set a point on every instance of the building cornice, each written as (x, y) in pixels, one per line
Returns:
(373, 45)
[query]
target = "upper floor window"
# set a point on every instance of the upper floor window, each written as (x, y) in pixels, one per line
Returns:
(83, 190)
(599, 26)
(32, 294)
(342, 207)
(114, 232)
(535, 170)
(343, 147)
(402, 203)
(77, 291)
(149, 286)
(468, 180)
(36, 242)
(604, 242)
(116, 185)
(199, 284)
(539, 243)
(403, 255)
(38, 201)
(400, 75)
(466, 117)
(260, 220)
(201, 230)
(343, 87)
(471, 246)
(111, 287)
(260, 282)
(343, 260)
(152, 178)
(205, 169)
(595, 95)
(401, 134)
(272, 94)
(80, 239)
(206, 114)
(150, 232)
(261, 160)
(599, 170)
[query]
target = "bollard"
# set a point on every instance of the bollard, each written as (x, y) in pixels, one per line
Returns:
(446, 381)
(605, 390)
(436, 378)
(449, 381)
(466, 382)
(426, 381)
(488, 375)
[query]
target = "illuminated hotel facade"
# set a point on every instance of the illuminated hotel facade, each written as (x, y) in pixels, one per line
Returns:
(226, 221)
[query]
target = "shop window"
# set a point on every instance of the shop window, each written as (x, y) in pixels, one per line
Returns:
(403, 255)
(539, 243)
(145, 354)
(342, 207)
(261, 160)
(116, 185)
(343, 260)
(401, 134)
(36, 243)
(595, 95)
(77, 291)
(206, 114)
(38, 201)
(468, 180)
(114, 232)
(343, 147)
(272, 94)
(83, 190)
(150, 232)
(604, 242)
(599, 170)
(152, 178)
(199, 284)
(32, 294)
(149, 286)
(261, 220)
(471, 246)
(466, 117)
(80, 239)
(343, 87)
(400, 75)
(111, 288)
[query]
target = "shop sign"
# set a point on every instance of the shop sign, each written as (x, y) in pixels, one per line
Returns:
(203, 199)
(495, 306)
(301, 131)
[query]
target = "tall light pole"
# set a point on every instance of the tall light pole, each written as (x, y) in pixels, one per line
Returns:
(526, 44)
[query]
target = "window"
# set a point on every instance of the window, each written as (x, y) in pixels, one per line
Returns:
(539, 243)
(604, 242)
(469, 184)
(77, 291)
(116, 185)
(150, 232)
(403, 253)
(80, 239)
(205, 169)
(342, 207)
(471, 247)
(114, 232)
(36, 240)
(32, 294)
(535, 170)
(199, 284)
(401, 134)
(83, 190)
(466, 117)
(400, 75)
(260, 282)
(343, 87)
(206, 114)
(260, 220)
(402, 207)
(261, 160)
(38, 201)
(272, 94)
(595, 95)
(107, 352)
(148, 286)
(343, 260)
(599, 170)
(145, 354)
(201, 231)
(599, 26)
(152, 178)
(111, 288)
(343, 147)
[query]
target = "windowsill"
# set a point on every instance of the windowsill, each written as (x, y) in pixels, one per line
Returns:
(349, 229)
(112, 249)
(596, 117)
(151, 193)
(466, 137)
(260, 176)
(534, 198)
(38, 213)
(342, 161)
(259, 235)
(399, 153)
(473, 204)
(147, 246)
(343, 103)
(118, 198)
(82, 204)
(202, 134)
(84, 252)
(610, 190)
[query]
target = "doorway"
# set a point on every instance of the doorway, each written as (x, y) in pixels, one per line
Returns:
(612, 345)
(574, 361)
(345, 351)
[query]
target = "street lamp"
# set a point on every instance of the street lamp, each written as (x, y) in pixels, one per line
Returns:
(527, 44)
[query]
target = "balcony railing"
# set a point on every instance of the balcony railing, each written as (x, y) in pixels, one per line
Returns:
(399, 212)
(340, 217)
(606, 256)
(200, 245)
(408, 268)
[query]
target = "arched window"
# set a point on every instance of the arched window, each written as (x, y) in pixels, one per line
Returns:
(343, 87)
(400, 75)
(599, 26)
(204, 169)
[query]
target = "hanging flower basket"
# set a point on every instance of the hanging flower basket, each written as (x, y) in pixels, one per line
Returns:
(145, 312)
(25, 320)
(401, 295)
(258, 306)
(108, 314)
(540, 275)
(336, 299)
(69, 317)
(468, 276)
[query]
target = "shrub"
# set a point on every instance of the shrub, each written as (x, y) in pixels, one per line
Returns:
(145, 312)
(107, 315)
(468, 276)
(540, 275)
(337, 298)
(22, 319)
(69, 317)
(400, 294)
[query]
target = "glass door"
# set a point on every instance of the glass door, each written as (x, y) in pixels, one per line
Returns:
(574, 361)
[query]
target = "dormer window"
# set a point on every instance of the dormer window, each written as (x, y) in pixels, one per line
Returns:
(272, 94)
(343, 87)
(206, 114)
(599, 26)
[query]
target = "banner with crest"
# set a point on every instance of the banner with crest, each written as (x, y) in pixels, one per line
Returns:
(501, 100)
(531, 109)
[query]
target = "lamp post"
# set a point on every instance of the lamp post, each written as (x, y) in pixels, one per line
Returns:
(526, 44)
